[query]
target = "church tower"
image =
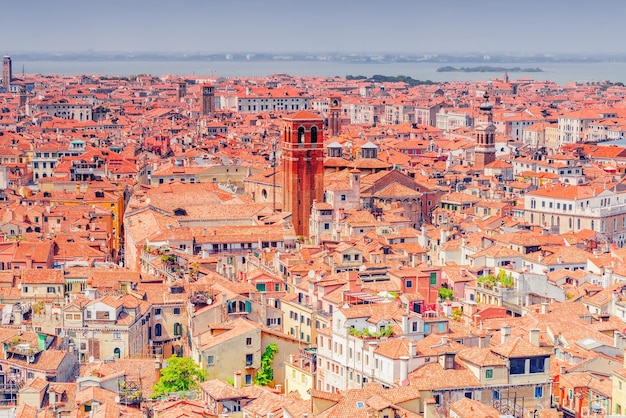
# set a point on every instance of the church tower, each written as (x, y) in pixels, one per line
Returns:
(7, 73)
(334, 116)
(208, 100)
(302, 166)
(485, 134)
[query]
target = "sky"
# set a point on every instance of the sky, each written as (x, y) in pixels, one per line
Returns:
(336, 26)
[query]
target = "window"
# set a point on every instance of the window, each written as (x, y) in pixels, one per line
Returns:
(433, 279)
(157, 311)
(102, 314)
(51, 289)
(409, 284)
(489, 374)
(495, 395)
(538, 392)
(248, 379)
(537, 365)
(176, 311)
(249, 359)
(517, 366)
(210, 360)
(117, 335)
(343, 197)
(158, 330)
(414, 326)
(249, 341)
(178, 330)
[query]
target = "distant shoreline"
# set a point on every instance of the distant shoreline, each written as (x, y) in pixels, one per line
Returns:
(488, 69)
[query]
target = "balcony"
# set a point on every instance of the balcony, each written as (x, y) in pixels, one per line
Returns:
(13, 383)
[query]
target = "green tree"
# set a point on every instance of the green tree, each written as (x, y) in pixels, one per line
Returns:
(457, 314)
(180, 375)
(265, 375)
(445, 293)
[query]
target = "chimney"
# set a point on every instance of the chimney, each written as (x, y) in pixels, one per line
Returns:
(405, 323)
(476, 320)
(505, 333)
(412, 351)
(77, 188)
(534, 336)
(545, 308)
(237, 379)
(52, 398)
(279, 388)
(404, 369)
(559, 260)
(562, 370)
(157, 369)
(429, 408)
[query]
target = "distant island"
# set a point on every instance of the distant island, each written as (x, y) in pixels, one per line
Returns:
(393, 79)
(488, 69)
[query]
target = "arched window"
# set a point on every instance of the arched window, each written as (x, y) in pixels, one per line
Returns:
(301, 135)
(178, 330)
(117, 352)
(158, 330)
(314, 135)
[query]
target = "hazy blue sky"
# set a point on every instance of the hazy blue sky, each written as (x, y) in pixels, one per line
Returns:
(413, 26)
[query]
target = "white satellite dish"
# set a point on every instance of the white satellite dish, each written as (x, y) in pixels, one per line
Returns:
(117, 399)
(91, 359)
(311, 274)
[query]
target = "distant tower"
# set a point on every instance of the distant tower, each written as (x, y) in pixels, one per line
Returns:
(506, 76)
(485, 133)
(334, 116)
(182, 90)
(23, 96)
(208, 100)
(303, 166)
(7, 72)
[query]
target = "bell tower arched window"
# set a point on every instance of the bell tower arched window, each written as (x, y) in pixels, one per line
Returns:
(301, 135)
(313, 135)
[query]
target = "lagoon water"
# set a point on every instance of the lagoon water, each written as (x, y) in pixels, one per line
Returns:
(560, 73)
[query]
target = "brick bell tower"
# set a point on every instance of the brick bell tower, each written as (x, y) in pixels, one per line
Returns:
(334, 116)
(303, 166)
(485, 133)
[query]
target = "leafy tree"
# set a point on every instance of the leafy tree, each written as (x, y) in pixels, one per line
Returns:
(445, 293)
(265, 375)
(180, 375)
(457, 313)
